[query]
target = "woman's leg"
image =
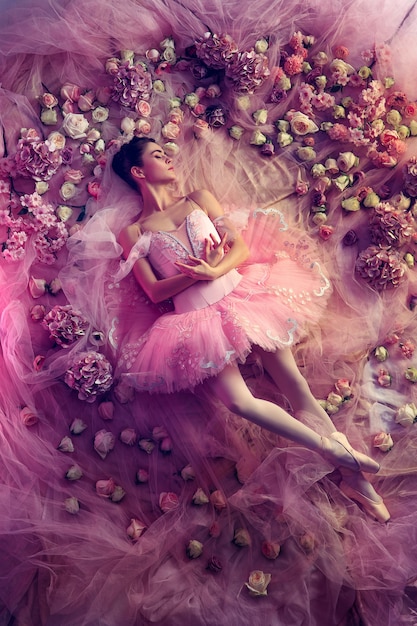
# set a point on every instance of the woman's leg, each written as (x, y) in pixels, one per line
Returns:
(232, 390)
(282, 368)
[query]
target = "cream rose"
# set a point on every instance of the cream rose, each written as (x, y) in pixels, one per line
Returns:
(200, 498)
(194, 549)
(75, 125)
(302, 125)
(258, 583)
(100, 114)
(135, 529)
(383, 441)
(347, 160)
(236, 132)
(406, 415)
(49, 117)
(72, 505)
(171, 148)
(67, 191)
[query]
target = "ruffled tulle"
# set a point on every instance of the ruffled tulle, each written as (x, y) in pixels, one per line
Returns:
(100, 500)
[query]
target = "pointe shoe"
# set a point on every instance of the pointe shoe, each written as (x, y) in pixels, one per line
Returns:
(353, 460)
(378, 510)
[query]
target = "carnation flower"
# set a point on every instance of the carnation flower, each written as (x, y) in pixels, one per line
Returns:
(381, 267)
(90, 375)
(65, 325)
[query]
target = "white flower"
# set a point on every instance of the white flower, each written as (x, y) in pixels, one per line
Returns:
(100, 114)
(261, 45)
(67, 191)
(72, 505)
(49, 117)
(74, 473)
(406, 414)
(260, 116)
(236, 131)
(75, 125)
(127, 125)
(66, 445)
(78, 426)
(258, 583)
(41, 187)
(302, 125)
(64, 212)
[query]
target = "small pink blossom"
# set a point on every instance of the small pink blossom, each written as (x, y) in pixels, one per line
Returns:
(218, 500)
(325, 231)
(128, 436)
(105, 488)
(383, 441)
(93, 188)
(28, 416)
(135, 529)
(37, 287)
(142, 476)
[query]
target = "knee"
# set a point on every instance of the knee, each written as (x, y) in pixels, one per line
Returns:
(239, 404)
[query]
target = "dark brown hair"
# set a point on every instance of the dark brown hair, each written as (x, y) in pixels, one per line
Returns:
(130, 154)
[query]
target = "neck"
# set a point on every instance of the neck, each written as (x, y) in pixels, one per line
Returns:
(156, 198)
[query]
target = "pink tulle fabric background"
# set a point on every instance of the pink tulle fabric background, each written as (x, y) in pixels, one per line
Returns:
(119, 508)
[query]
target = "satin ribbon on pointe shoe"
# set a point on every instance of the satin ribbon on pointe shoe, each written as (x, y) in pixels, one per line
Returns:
(356, 460)
(377, 510)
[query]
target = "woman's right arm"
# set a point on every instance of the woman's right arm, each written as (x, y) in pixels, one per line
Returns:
(156, 289)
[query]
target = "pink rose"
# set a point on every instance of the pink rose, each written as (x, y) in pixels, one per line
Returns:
(48, 100)
(258, 583)
(214, 530)
(270, 549)
(142, 476)
(106, 410)
(68, 107)
(85, 101)
(143, 108)
(143, 127)
(325, 232)
(75, 125)
(73, 176)
(165, 445)
(170, 130)
(103, 442)
(302, 188)
(105, 488)
(383, 441)
(199, 109)
(37, 312)
(93, 188)
(201, 129)
(168, 501)
(343, 387)
(70, 92)
(176, 116)
(28, 416)
(218, 500)
(135, 529)
(159, 433)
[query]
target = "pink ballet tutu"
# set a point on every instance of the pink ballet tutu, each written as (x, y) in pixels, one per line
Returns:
(217, 323)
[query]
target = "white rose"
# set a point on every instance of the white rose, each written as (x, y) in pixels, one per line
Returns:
(258, 583)
(261, 45)
(55, 141)
(100, 114)
(49, 117)
(75, 125)
(127, 125)
(406, 414)
(346, 160)
(260, 116)
(72, 505)
(171, 148)
(64, 212)
(236, 131)
(257, 138)
(302, 125)
(67, 191)
(41, 187)
(284, 139)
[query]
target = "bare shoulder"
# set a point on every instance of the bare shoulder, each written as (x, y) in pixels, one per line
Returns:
(207, 202)
(129, 236)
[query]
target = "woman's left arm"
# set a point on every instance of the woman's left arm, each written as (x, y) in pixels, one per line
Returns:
(237, 248)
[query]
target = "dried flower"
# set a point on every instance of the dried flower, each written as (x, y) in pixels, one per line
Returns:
(74, 473)
(78, 426)
(381, 353)
(242, 538)
(214, 565)
(406, 414)
(200, 497)
(147, 445)
(128, 436)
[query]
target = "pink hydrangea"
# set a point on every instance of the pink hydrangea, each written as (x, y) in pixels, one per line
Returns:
(91, 375)
(65, 325)
(216, 51)
(410, 177)
(34, 159)
(248, 71)
(131, 83)
(382, 268)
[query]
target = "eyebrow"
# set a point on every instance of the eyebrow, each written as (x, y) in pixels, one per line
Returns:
(157, 150)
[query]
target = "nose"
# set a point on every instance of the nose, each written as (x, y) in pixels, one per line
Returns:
(168, 159)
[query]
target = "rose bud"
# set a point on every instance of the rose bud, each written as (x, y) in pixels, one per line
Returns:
(103, 442)
(194, 549)
(74, 473)
(165, 445)
(78, 426)
(37, 287)
(383, 441)
(159, 433)
(218, 500)
(38, 362)
(105, 488)
(258, 583)
(381, 353)
(28, 416)
(214, 565)
(128, 436)
(168, 501)
(37, 312)
(118, 494)
(147, 445)
(270, 549)
(214, 530)
(411, 374)
(242, 538)
(142, 476)
(72, 505)
(187, 473)
(200, 497)
(135, 529)
(66, 445)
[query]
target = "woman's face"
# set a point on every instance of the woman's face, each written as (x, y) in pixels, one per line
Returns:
(157, 166)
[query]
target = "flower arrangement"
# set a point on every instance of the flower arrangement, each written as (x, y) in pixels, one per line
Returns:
(382, 267)
(91, 374)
